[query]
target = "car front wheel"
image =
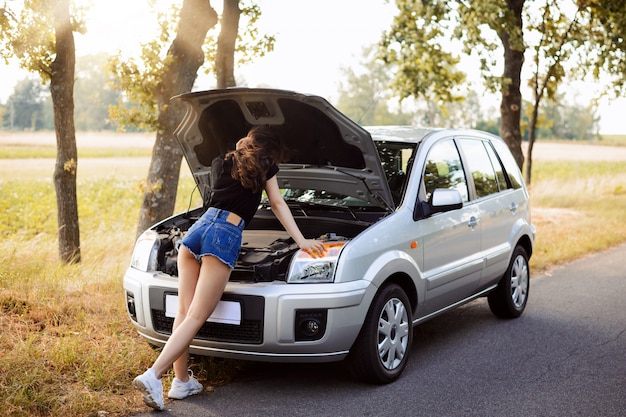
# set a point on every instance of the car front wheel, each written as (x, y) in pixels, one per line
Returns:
(381, 351)
(509, 298)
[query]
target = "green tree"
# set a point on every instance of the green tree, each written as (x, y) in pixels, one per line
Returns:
(366, 94)
(580, 122)
(92, 94)
(41, 36)
(421, 33)
(489, 125)
(606, 51)
(559, 36)
(152, 80)
(25, 105)
(367, 97)
(585, 39)
(465, 113)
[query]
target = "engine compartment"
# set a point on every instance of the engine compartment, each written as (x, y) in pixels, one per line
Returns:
(267, 248)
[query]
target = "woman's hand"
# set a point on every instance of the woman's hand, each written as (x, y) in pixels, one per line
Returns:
(313, 247)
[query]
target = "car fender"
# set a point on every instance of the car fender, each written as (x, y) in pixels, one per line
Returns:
(399, 267)
(520, 229)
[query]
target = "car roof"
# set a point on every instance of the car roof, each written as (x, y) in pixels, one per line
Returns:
(406, 134)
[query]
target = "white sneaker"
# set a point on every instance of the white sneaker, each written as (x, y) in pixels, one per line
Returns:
(182, 389)
(151, 388)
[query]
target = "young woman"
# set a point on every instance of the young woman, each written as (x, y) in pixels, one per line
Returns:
(209, 251)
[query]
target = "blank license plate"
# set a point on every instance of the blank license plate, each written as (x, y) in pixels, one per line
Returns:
(226, 312)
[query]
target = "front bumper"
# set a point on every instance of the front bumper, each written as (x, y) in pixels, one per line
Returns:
(272, 317)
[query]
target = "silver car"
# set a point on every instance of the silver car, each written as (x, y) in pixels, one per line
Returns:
(416, 222)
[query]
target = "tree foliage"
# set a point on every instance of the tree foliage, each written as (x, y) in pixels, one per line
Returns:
(139, 77)
(163, 71)
(606, 28)
(29, 106)
(28, 33)
(365, 94)
(573, 40)
(555, 36)
(92, 94)
(413, 47)
(427, 39)
(25, 107)
(567, 39)
(559, 118)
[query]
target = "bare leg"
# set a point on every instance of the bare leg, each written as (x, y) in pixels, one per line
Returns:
(188, 274)
(211, 283)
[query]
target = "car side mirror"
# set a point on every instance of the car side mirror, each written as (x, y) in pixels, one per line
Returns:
(442, 200)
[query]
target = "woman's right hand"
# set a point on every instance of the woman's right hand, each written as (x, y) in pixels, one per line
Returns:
(313, 247)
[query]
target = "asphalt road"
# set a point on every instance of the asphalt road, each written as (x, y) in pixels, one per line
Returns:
(566, 356)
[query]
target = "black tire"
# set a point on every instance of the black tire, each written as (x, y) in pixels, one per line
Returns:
(509, 299)
(381, 350)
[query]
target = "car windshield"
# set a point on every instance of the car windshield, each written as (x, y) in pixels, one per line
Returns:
(321, 197)
(395, 158)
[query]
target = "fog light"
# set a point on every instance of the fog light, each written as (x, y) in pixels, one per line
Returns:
(310, 324)
(130, 306)
(310, 327)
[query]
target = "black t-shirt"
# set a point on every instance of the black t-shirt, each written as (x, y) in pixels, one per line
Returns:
(228, 193)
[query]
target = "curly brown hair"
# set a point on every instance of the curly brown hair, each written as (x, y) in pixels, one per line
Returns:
(254, 155)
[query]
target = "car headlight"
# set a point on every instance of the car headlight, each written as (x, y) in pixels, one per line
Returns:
(305, 268)
(146, 250)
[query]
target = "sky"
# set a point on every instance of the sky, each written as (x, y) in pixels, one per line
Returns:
(316, 39)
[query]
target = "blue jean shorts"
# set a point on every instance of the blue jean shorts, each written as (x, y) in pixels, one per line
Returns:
(213, 235)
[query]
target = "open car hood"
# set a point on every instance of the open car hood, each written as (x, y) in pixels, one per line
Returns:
(324, 149)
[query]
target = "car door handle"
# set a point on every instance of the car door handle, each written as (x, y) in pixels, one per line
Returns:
(513, 208)
(473, 222)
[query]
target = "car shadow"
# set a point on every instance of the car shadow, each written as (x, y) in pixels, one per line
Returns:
(429, 338)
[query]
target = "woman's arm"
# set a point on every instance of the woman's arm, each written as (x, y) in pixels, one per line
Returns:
(283, 213)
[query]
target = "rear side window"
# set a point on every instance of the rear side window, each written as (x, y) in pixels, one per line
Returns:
(444, 169)
(483, 172)
(510, 166)
(497, 166)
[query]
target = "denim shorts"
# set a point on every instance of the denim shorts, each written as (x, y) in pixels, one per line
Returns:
(213, 235)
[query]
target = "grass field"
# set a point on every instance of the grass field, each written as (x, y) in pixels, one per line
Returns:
(612, 140)
(67, 347)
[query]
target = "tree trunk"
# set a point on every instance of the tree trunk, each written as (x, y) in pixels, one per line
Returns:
(225, 57)
(62, 92)
(196, 18)
(511, 104)
(531, 142)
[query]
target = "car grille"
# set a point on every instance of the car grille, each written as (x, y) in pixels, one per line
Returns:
(249, 331)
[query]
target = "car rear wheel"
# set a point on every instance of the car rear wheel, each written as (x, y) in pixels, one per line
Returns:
(509, 298)
(381, 351)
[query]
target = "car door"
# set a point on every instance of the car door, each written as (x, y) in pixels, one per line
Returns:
(451, 240)
(499, 202)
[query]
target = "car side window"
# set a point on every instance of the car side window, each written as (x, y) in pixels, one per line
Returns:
(480, 166)
(497, 166)
(444, 169)
(512, 171)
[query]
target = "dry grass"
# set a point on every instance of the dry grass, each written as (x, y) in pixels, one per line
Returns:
(578, 208)
(67, 347)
